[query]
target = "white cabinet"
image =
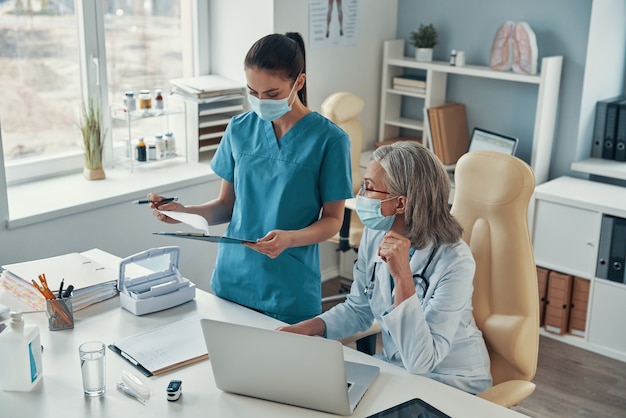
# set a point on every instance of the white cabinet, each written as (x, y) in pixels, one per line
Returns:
(565, 227)
(207, 120)
(392, 120)
(565, 235)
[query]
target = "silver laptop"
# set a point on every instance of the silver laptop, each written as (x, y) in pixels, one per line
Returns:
(294, 369)
(483, 140)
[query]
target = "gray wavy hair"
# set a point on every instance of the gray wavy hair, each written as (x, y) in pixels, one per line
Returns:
(413, 171)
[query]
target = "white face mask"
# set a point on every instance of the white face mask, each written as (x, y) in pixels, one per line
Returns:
(271, 109)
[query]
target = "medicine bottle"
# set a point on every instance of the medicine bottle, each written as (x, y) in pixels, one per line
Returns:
(152, 152)
(160, 146)
(170, 144)
(453, 57)
(158, 99)
(145, 100)
(141, 150)
(129, 101)
(20, 355)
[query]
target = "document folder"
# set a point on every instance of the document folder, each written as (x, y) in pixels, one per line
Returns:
(580, 302)
(559, 302)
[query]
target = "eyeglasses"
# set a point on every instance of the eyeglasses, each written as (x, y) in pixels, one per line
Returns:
(364, 190)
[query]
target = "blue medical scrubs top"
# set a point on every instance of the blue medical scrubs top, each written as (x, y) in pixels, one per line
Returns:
(279, 184)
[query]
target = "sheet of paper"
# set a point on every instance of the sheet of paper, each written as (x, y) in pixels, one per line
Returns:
(191, 219)
(166, 347)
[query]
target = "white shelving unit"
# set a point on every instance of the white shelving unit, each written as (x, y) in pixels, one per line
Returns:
(565, 224)
(392, 120)
(136, 117)
(601, 167)
(207, 120)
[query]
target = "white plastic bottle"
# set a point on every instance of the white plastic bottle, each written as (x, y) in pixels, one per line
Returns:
(20, 355)
(170, 142)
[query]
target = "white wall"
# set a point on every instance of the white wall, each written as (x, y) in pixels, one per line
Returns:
(604, 65)
(354, 68)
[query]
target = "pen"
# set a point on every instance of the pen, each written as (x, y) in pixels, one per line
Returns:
(60, 293)
(68, 291)
(164, 200)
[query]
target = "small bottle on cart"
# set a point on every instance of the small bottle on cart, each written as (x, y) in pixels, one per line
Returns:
(141, 150)
(145, 100)
(170, 144)
(129, 101)
(160, 147)
(158, 100)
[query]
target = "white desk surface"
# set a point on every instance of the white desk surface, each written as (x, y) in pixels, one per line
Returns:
(59, 394)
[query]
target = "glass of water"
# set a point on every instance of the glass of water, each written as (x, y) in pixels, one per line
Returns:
(92, 366)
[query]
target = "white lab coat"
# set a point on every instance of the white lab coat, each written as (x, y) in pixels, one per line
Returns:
(433, 335)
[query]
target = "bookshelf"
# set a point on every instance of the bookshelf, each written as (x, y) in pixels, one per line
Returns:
(392, 120)
(566, 233)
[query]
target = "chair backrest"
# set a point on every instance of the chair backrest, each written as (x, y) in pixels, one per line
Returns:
(344, 108)
(491, 200)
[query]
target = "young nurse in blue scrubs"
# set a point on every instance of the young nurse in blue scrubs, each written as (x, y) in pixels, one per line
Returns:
(285, 176)
(414, 274)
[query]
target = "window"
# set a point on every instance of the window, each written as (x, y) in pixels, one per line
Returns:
(47, 48)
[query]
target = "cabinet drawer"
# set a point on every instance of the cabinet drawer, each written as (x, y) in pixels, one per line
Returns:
(608, 310)
(565, 238)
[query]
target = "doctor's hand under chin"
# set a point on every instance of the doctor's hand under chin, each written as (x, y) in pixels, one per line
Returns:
(273, 243)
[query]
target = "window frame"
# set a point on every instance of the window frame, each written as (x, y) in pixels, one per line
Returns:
(94, 86)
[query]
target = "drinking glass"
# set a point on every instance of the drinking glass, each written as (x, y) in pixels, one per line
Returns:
(92, 366)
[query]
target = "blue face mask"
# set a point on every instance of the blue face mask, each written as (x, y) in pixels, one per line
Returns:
(369, 211)
(270, 109)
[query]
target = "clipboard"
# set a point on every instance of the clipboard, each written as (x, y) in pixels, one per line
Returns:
(160, 350)
(203, 237)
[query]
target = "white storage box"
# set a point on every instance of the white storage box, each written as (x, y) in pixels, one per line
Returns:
(150, 281)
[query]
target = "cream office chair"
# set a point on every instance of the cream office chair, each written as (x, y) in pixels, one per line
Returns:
(492, 195)
(344, 108)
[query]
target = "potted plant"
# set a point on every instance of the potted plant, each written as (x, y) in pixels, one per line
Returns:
(91, 129)
(424, 40)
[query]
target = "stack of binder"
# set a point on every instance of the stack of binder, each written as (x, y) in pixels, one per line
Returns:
(609, 132)
(92, 281)
(449, 131)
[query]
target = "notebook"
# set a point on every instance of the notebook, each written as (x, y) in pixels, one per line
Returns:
(294, 369)
(483, 140)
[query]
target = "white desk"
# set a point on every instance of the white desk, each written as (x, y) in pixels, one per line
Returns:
(60, 392)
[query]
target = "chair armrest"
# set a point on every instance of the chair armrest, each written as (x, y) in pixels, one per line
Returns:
(508, 393)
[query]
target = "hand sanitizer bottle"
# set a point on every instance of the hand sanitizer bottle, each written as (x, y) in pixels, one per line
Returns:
(20, 355)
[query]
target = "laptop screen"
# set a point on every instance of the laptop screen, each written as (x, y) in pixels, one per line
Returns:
(483, 140)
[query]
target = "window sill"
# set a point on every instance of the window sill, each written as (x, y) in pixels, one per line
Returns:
(56, 197)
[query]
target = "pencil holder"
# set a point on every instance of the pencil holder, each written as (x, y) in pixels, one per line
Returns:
(60, 314)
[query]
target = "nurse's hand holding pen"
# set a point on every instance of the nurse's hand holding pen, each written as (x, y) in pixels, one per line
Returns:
(156, 203)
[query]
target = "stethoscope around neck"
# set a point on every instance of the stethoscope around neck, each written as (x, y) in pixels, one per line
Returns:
(369, 290)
